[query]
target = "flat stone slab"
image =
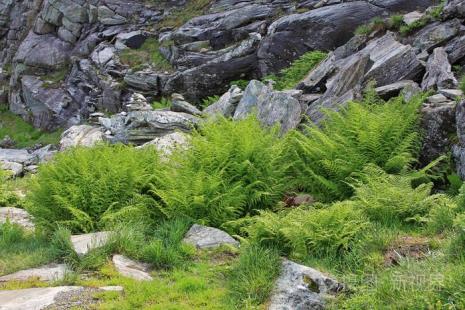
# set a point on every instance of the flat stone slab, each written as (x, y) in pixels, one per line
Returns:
(82, 244)
(48, 298)
(15, 155)
(16, 216)
(203, 237)
(132, 269)
(52, 272)
(32, 298)
(451, 93)
(302, 287)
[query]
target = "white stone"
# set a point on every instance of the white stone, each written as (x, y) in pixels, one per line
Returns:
(31, 298)
(203, 237)
(412, 17)
(52, 272)
(80, 135)
(168, 143)
(301, 287)
(16, 216)
(82, 244)
(131, 269)
(451, 93)
(16, 169)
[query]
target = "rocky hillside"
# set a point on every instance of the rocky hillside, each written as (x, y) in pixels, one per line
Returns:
(232, 154)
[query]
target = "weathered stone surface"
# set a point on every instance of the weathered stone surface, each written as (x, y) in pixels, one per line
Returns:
(16, 216)
(82, 244)
(15, 155)
(227, 103)
(139, 127)
(393, 90)
(438, 124)
(179, 104)
(301, 287)
(81, 135)
(455, 49)
(412, 17)
(203, 237)
(31, 298)
(272, 107)
(321, 29)
(168, 143)
(131, 269)
(459, 149)
(52, 272)
(436, 34)
(15, 169)
(452, 94)
(438, 98)
(438, 71)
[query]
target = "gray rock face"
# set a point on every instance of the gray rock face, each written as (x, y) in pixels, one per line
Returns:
(52, 272)
(203, 237)
(393, 90)
(139, 127)
(16, 216)
(320, 29)
(81, 135)
(301, 287)
(436, 34)
(272, 107)
(459, 149)
(131, 269)
(227, 103)
(169, 143)
(438, 123)
(438, 71)
(32, 298)
(82, 244)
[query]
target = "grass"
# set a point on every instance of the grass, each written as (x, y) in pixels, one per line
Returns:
(54, 79)
(147, 54)
(24, 134)
(163, 103)
(180, 16)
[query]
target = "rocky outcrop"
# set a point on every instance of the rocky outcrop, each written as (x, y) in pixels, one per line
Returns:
(16, 216)
(302, 287)
(203, 237)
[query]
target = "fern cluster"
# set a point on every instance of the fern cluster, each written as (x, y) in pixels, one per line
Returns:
(231, 169)
(85, 189)
(328, 231)
(324, 160)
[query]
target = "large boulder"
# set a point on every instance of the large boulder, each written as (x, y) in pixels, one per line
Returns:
(81, 135)
(302, 287)
(438, 71)
(321, 29)
(272, 107)
(203, 237)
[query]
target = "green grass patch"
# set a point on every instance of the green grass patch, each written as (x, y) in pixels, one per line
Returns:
(289, 77)
(147, 54)
(24, 134)
(179, 16)
(163, 103)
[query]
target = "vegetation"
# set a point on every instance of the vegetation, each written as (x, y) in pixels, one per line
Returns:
(179, 16)
(85, 189)
(163, 103)
(230, 170)
(148, 53)
(289, 77)
(54, 79)
(325, 160)
(24, 134)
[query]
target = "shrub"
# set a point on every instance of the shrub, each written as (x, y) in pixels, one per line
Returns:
(252, 277)
(230, 170)
(326, 232)
(85, 189)
(391, 199)
(163, 103)
(325, 159)
(289, 77)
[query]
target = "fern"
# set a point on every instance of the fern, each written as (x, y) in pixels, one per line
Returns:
(85, 189)
(230, 170)
(325, 159)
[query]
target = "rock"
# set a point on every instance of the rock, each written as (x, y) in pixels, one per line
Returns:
(458, 150)
(21, 156)
(52, 272)
(437, 99)
(455, 49)
(436, 34)
(146, 81)
(16, 216)
(392, 90)
(301, 287)
(272, 107)
(80, 135)
(438, 71)
(412, 17)
(203, 237)
(139, 127)
(452, 94)
(133, 39)
(32, 298)
(82, 244)
(7, 143)
(454, 8)
(179, 104)
(438, 124)
(131, 269)
(137, 102)
(321, 29)
(227, 103)
(15, 169)
(169, 142)
(410, 91)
